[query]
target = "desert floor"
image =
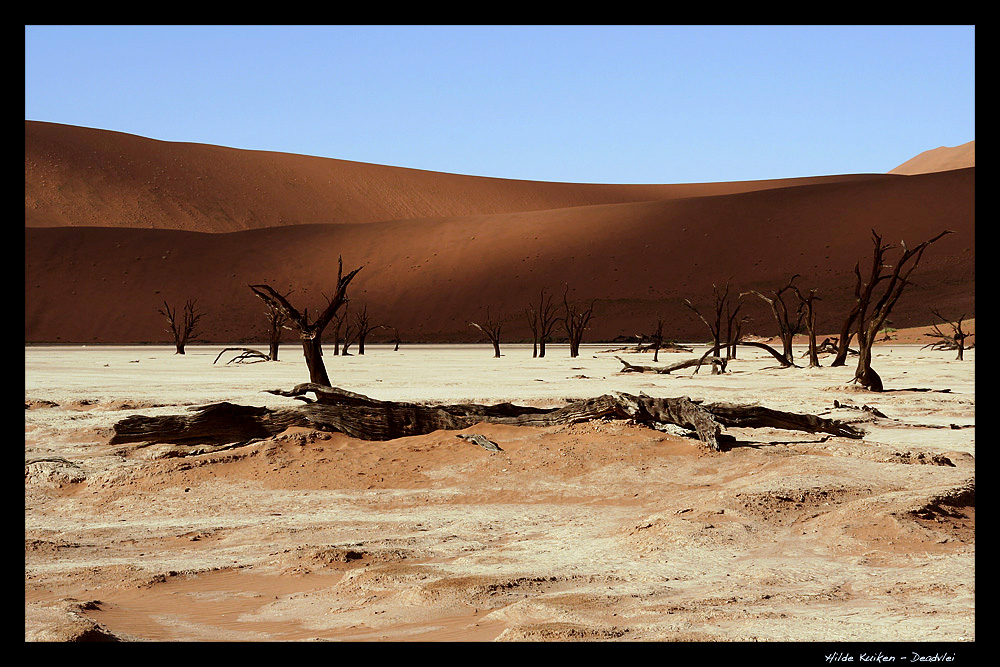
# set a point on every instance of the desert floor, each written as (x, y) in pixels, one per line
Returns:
(596, 531)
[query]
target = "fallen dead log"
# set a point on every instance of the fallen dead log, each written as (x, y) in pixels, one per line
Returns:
(214, 424)
(687, 363)
(362, 417)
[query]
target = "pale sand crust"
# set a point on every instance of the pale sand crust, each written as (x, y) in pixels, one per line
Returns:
(592, 532)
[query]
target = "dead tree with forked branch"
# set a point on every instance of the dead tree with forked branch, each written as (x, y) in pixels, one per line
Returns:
(541, 320)
(786, 328)
(183, 329)
(955, 341)
(276, 320)
(311, 332)
(575, 319)
(873, 310)
(722, 305)
(364, 327)
(346, 324)
(806, 303)
(734, 328)
(492, 331)
(340, 321)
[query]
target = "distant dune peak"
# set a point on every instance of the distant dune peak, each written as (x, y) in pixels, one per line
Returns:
(942, 158)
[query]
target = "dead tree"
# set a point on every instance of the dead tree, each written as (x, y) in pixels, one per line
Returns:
(656, 337)
(955, 341)
(532, 318)
(338, 321)
(786, 329)
(575, 319)
(359, 416)
(350, 334)
(541, 320)
(872, 309)
(722, 305)
(364, 327)
(492, 331)
(343, 323)
(311, 332)
(396, 339)
(276, 320)
(182, 330)
(734, 327)
(806, 303)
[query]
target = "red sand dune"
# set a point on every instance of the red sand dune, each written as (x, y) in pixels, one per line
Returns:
(115, 224)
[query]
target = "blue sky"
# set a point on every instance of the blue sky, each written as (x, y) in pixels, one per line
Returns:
(576, 103)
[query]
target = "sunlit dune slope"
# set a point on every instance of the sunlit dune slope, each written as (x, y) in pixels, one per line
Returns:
(77, 177)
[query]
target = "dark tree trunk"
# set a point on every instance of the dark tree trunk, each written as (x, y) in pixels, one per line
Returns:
(865, 374)
(844, 341)
(312, 350)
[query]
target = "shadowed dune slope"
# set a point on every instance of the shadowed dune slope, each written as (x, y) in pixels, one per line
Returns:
(82, 177)
(430, 276)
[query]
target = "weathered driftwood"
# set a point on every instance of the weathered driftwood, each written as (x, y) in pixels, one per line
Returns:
(370, 419)
(217, 423)
(863, 408)
(687, 363)
(480, 440)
